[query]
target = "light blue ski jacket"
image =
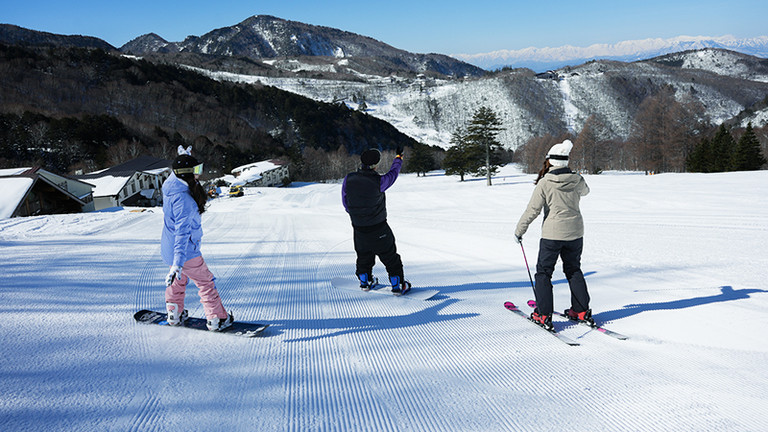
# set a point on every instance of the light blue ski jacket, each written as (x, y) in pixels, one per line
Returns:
(182, 228)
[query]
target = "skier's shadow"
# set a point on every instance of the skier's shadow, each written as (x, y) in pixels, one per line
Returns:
(445, 290)
(727, 294)
(332, 327)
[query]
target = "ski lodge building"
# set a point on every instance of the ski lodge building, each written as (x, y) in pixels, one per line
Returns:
(137, 182)
(35, 191)
(267, 173)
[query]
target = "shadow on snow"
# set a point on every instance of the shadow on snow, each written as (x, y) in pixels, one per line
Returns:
(727, 294)
(342, 326)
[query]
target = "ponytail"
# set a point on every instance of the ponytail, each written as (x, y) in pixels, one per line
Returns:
(196, 190)
(544, 170)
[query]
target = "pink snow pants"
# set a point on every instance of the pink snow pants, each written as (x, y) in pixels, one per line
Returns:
(196, 270)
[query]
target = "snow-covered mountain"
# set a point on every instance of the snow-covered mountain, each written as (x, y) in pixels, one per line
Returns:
(541, 59)
(725, 83)
(266, 37)
(323, 64)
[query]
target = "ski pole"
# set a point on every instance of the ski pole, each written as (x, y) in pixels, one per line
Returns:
(527, 268)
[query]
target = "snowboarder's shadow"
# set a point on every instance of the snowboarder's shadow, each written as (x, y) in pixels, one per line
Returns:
(332, 327)
(727, 294)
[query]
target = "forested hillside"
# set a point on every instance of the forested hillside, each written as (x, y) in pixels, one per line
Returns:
(75, 108)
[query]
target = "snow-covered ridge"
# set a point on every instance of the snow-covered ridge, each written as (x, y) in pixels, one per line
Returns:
(541, 59)
(717, 61)
(262, 37)
(430, 110)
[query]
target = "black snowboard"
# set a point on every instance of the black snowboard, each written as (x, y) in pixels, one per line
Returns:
(243, 329)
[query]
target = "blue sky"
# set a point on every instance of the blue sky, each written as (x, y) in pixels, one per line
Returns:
(446, 27)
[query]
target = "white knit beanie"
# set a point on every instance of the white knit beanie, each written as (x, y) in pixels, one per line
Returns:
(558, 154)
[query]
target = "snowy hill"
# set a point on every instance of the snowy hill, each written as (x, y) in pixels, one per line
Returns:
(12, 35)
(430, 110)
(542, 59)
(427, 107)
(674, 261)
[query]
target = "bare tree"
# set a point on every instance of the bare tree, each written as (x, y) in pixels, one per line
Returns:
(591, 149)
(533, 153)
(125, 150)
(665, 131)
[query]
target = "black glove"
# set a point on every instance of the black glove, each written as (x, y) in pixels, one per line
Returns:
(399, 151)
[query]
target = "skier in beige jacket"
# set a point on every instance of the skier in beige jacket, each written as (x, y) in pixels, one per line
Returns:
(558, 192)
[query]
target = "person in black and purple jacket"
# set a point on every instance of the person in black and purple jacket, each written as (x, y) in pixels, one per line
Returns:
(363, 196)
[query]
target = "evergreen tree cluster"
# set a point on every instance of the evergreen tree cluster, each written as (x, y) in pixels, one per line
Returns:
(723, 153)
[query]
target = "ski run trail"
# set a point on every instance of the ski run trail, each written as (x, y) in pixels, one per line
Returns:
(677, 262)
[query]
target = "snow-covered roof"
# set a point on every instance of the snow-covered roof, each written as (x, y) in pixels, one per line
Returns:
(260, 167)
(108, 185)
(12, 191)
(253, 171)
(5, 172)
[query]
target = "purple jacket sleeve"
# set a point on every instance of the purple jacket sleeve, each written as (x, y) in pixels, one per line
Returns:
(344, 194)
(389, 178)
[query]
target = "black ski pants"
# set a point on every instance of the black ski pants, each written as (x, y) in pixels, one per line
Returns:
(374, 241)
(570, 253)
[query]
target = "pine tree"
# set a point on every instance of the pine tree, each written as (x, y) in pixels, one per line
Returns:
(482, 131)
(721, 151)
(421, 160)
(463, 157)
(698, 159)
(747, 155)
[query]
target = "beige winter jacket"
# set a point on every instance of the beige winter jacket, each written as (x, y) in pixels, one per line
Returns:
(558, 193)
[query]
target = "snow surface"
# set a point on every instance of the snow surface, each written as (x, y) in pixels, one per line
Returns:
(571, 112)
(675, 261)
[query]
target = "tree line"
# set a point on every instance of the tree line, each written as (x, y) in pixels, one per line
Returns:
(723, 153)
(667, 136)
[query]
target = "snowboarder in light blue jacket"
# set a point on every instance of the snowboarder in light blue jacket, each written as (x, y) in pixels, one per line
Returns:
(183, 202)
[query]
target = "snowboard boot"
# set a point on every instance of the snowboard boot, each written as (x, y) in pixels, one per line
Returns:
(399, 287)
(585, 316)
(542, 320)
(218, 324)
(174, 317)
(367, 281)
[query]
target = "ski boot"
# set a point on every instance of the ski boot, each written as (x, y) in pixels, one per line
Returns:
(218, 324)
(367, 281)
(585, 316)
(399, 287)
(542, 320)
(175, 318)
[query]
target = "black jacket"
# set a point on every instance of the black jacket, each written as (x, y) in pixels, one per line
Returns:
(365, 202)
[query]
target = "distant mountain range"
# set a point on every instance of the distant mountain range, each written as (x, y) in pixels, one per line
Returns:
(543, 59)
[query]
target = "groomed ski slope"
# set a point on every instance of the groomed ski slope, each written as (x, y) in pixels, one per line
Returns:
(675, 261)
